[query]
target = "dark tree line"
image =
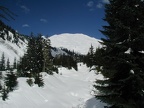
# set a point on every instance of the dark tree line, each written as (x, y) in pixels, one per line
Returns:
(65, 61)
(69, 59)
(5, 64)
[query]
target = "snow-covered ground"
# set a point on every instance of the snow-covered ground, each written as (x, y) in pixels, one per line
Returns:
(68, 89)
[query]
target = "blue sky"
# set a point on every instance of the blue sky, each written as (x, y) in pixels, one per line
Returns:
(50, 17)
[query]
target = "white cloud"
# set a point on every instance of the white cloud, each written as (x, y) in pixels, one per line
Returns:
(25, 25)
(105, 1)
(99, 5)
(26, 9)
(90, 4)
(43, 20)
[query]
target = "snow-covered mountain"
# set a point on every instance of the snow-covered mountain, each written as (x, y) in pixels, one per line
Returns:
(79, 43)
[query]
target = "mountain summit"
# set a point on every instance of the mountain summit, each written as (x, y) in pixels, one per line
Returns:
(79, 43)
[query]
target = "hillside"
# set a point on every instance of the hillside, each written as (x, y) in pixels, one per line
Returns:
(79, 43)
(12, 44)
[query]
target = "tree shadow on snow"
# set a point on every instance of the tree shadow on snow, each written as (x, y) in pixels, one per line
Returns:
(94, 103)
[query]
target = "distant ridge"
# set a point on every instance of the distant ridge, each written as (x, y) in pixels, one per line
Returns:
(79, 43)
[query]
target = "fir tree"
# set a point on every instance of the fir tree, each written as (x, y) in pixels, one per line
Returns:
(38, 80)
(20, 67)
(8, 64)
(90, 57)
(2, 64)
(39, 53)
(1, 81)
(122, 60)
(36, 59)
(4, 93)
(15, 64)
(31, 55)
(11, 81)
(30, 82)
(47, 62)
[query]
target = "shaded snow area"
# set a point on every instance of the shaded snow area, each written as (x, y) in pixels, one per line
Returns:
(79, 43)
(68, 89)
(57, 51)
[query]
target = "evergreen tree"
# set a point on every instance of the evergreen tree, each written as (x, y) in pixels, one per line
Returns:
(33, 59)
(28, 61)
(20, 67)
(38, 80)
(4, 93)
(31, 54)
(2, 64)
(15, 64)
(47, 62)
(30, 81)
(36, 59)
(1, 81)
(8, 64)
(11, 81)
(122, 59)
(90, 57)
(39, 53)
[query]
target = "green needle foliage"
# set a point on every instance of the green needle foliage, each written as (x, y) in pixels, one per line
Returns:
(121, 60)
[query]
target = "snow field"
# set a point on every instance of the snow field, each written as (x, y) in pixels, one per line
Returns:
(68, 89)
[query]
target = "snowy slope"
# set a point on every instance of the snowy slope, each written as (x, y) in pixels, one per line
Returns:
(78, 42)
(11, 49)
(69, 89)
